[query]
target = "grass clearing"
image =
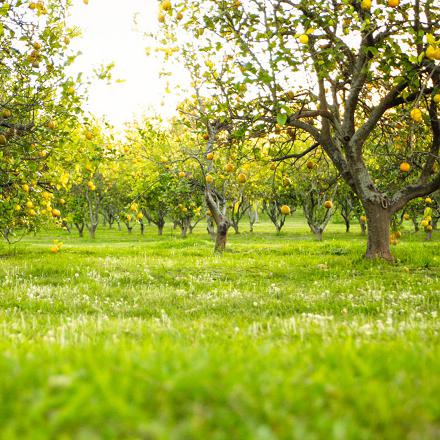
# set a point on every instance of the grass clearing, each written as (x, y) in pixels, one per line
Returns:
(280, 338)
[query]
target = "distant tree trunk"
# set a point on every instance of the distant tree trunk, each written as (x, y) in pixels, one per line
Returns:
(93, 202)
(129, 227)
(184, 230)
(111, 221)
(211, 227)
(80, 228)
(317, 231)
(160, 227)
(222, 233)
(236, 227)
(92, 230)
(6, 232)
(65, 225)
(347, 223)
(142, 227)
(363, 227)
(119, 225)
(415, 223)
(253, 217)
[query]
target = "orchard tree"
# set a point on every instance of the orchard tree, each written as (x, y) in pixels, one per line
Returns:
(316, 196)
(346, 201)
(38, 105)
(91, 165)
(351, 74)
(279, 198)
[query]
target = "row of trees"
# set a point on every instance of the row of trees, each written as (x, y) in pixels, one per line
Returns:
(327, 105)
(357, 80)
(161, 175)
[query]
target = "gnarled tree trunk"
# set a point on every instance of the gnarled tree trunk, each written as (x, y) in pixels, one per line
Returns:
(222, 233)
(220, 219)
(379, 220)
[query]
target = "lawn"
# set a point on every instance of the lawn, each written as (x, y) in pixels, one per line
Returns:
(283, 337)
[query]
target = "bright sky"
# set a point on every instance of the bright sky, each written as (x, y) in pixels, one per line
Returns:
(110, 34)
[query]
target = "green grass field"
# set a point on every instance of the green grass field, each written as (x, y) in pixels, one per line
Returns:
(282, 337)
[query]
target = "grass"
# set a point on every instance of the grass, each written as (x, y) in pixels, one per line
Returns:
(282, 337)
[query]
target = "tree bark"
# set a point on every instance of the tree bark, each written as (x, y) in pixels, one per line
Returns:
(184, 229)
(160, 229)
(80, 228)
(210, 228)
(415, 224)
(318, 234)
(347, 224)
(379, 220)
(363, 227)
(220, 239)
(92, 230)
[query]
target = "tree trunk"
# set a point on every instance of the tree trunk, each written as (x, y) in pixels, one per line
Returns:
(347, 224)
(92, 230)
(415, 224)
(184, 229)
(160, 228)
(210, 227)
(65, 225)
(119, 226)
(220, 239)
(363, 228)
(317, 231)
(379, 220)
(142, 228)
(318, 234)
(429, 236)
(236, 227)
(80, 228)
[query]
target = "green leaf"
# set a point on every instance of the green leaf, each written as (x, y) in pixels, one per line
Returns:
(281, 118)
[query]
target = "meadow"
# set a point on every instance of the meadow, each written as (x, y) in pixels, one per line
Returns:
(282, 337)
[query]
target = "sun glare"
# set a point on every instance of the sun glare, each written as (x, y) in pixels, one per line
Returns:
(115, 33)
